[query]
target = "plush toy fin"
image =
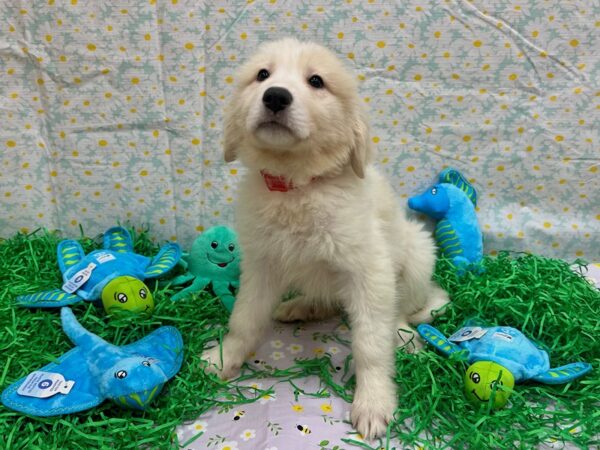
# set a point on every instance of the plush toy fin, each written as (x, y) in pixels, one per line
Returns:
(47, 299)
(563, 374)
(69, 253)
(78, 335)
(454, 177)
(83, 394)
(437, 339)
(165, 260)
(119, 240)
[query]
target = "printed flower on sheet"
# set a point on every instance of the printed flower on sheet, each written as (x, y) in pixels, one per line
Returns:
(276, 355)
(326, 408)
(248, 434)
(277, 343)
(295, 348)
(200, 425)
(267, 398)
(228, 445)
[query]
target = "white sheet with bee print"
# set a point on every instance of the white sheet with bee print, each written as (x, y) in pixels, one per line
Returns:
(283, 422)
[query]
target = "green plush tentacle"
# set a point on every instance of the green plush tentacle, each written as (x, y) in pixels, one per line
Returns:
(222, 291)
(198, 285)
(182, 279)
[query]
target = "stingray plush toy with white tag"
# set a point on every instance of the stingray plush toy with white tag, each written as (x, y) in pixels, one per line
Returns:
(131, 375)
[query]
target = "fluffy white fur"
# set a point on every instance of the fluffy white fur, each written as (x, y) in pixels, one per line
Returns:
(339, 237)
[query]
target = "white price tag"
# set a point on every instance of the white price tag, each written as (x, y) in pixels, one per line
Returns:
(44, 384)
(467, 333)
(79, 279)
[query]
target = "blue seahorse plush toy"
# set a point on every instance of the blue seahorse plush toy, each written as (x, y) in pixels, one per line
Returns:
(452, 203)
(131, 375)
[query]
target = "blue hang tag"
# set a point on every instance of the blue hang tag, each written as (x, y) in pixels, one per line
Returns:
(44, 384)
(79, 279)
(467, 333)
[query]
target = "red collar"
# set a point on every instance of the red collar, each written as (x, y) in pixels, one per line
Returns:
(278, 183)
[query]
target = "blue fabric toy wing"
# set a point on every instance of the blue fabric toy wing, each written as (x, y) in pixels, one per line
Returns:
(118, 239)
(95, 370)
(563, 374)
(437, 339)
(69, 253)
(165, 260)
(47, 299)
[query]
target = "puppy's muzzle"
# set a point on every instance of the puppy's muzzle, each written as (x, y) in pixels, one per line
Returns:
(277, 99)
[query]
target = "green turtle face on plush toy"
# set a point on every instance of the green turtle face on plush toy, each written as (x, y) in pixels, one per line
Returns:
(480, 380)
(127, 293)
(214, 259)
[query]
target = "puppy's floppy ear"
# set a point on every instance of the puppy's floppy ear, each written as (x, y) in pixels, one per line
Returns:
(360, 147)
(230, 135)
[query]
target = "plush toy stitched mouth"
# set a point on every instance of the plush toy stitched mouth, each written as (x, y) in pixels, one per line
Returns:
(478, 397)
(220, 264)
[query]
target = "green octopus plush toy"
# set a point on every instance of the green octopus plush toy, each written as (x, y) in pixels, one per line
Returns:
(214, 259)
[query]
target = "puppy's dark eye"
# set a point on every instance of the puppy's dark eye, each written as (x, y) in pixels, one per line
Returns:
(262, 75)
(316, 81)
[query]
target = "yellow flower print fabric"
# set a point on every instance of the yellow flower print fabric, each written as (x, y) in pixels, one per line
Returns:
(112, 111)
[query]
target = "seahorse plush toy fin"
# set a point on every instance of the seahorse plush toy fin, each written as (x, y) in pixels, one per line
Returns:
(452, 202)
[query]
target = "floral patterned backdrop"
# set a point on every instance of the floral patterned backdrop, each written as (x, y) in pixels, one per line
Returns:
(112, 110)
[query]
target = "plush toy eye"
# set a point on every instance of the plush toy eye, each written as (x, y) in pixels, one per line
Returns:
(146, 363)
(262, 75)
(143, 293)
(120, 297)
(475, 377)
(231, 247)
(433, 191)
(316, 81)
(120, 374)
(214, 244)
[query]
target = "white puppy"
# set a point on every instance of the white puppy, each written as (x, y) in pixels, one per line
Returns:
(315, 216)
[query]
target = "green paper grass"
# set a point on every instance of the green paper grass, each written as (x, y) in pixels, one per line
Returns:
(552, 305)
(540, 296)
(30, 339)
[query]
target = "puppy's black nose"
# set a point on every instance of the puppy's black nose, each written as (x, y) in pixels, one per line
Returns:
(277, 98)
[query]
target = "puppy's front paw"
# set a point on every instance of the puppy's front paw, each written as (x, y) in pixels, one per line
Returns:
(370, 416)
(224, 369)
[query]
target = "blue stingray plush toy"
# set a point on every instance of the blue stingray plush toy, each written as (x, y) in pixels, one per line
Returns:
(95, 370)
(452, 203)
